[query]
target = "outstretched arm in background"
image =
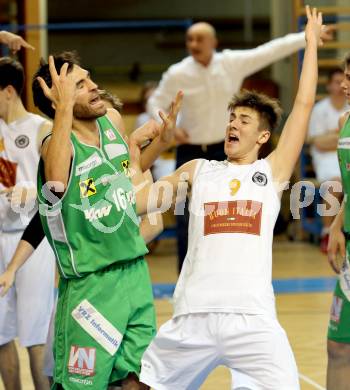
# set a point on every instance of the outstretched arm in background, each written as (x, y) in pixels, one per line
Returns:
(13, 41)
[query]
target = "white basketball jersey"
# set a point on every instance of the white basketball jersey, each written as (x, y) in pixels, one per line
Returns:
(228, 266)
(19, 158)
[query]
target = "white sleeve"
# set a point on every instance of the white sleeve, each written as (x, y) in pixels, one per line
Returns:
(162, 97)
(251, 60)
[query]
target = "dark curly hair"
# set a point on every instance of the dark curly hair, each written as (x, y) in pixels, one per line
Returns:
(40, 100)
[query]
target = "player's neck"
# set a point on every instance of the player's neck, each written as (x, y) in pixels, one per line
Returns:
(244, 160)
(15, 111)
(87, 131)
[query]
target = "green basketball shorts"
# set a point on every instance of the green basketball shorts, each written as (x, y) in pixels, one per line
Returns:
(103, 325)
(339, 323)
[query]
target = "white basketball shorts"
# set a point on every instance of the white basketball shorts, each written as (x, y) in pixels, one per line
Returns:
(26, 309)
(187, 348)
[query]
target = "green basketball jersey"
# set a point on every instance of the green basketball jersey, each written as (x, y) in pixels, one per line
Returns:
(344, 164)
(94, 224)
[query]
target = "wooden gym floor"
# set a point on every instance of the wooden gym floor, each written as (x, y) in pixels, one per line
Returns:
(303, 282)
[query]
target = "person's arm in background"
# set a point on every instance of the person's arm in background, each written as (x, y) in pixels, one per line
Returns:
(13, 41)
(327, 142)
(323, 139)
(163, 95)
(161, 100)
(31, 238)
(250, 61)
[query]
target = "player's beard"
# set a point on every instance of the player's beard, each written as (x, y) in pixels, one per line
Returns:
(87, 113)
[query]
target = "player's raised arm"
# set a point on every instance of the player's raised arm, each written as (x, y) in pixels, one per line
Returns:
(56, 151)
(286, 154)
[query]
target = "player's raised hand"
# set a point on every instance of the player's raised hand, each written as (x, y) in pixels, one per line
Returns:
(314, 26)
(63, 89)
(148, 131)
(14, 42)
(135, 155)
(169, 121)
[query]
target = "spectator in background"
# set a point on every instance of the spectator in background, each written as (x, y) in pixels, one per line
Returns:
(323, 138)
(208, 80)
(146, 92)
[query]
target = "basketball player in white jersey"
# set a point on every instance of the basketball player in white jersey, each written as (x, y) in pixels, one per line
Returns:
(224, 307)
(26, 309)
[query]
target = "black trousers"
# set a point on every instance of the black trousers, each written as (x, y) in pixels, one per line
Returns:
(185, 153)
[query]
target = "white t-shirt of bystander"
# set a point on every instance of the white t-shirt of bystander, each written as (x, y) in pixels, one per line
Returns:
(325, 117)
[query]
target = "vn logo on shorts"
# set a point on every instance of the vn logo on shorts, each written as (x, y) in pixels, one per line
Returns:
(82, 360)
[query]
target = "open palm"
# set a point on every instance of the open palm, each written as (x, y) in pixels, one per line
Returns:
(314, 26)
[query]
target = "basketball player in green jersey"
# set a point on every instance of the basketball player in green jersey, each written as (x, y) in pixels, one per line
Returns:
(338, 370)
(105, 315)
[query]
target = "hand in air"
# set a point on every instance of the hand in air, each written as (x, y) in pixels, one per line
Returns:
(168, 128)
(14, 42)
(63, 89)
(314, 27)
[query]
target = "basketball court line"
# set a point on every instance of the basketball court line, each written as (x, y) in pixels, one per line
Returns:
(311, 382)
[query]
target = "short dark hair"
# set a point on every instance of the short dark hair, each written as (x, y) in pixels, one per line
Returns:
(40, 100)
(346, 60)
(11, 73)
(332, 72)
(268, 109)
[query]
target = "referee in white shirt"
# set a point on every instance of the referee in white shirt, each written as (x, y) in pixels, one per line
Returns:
(209, 80)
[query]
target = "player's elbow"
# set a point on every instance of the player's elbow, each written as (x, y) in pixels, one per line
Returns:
(56, 178)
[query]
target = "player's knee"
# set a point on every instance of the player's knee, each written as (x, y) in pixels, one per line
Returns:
(339, 352)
